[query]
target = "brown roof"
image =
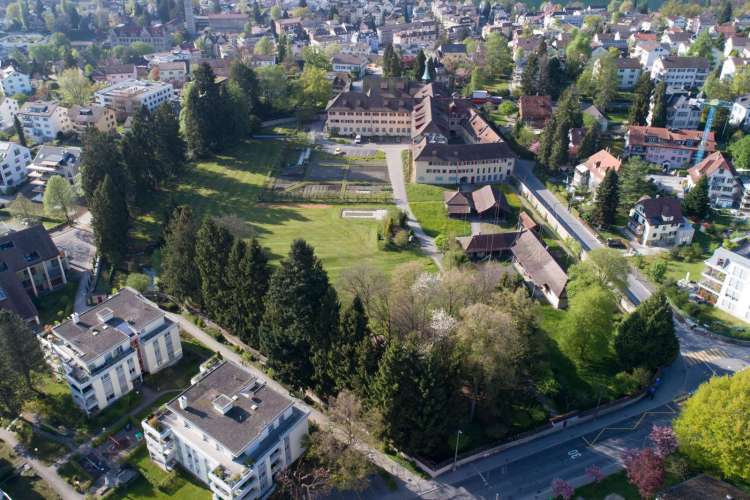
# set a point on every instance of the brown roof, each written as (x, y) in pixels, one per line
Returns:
(656, 209)
(456, 202)
(484, 243)
(600, 162)
(703, 488)
(628, 63)
(486, 198)
(537, 262)
(461, 152)
(527, 222)
(709, 165)
(685, 62)
(669, 138)
(535, 107)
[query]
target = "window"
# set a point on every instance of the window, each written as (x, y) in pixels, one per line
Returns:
(157, 352)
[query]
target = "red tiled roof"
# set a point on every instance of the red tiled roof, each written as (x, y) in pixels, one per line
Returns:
(709, 165)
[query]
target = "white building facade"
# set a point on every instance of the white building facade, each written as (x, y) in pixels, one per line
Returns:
(14, 159)
(230, 430)
(43, 120)
(105, 351)
(725, 282)
(14, 82)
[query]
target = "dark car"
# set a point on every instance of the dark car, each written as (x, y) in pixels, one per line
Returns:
(615, 243)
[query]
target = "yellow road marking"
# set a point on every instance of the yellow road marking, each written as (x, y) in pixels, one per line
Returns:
(591, 443)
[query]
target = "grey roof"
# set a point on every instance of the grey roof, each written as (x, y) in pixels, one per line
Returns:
(130, 314)
(253, 408)
(685, 62)
(21, 249)
(60, 155)
(462, 152)
(537, 262)
(703, 487)
(656, 209)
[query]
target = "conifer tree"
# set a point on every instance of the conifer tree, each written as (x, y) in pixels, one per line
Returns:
(202, 113)
(343, 356)
(169, 146)
(607, 200)
(545, 142)
(212, 245)
(696, 202)
(19, 131)
(101, 156)
(110, 220)
(420, 65)
(248, 275)
(638, 112)
(301, 318)
(659, 116)
(179, 276)
(647, 337)
(590, 142)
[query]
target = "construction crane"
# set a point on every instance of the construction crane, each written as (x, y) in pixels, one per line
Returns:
(712, 105)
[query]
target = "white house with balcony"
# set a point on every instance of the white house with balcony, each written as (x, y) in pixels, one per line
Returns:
(658, 222)
(43, 120)
(230, 430)
(14, 82)
(725, 281)
(14, 159)
(724, 185)
(105, 351)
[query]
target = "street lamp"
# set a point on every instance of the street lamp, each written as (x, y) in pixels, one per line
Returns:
(455, 455)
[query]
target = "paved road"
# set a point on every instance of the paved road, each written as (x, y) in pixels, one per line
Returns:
(526, 471)
(638, 290)
(46, 472)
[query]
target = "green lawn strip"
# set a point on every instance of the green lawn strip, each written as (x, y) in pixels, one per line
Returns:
(184, 486)
(57, 305)
(75, 474)
(38, 445)
(426, 202)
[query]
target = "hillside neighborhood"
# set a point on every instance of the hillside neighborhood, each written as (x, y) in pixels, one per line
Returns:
(393, 249)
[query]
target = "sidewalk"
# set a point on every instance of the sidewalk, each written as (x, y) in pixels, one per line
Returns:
(412, 482)
(46, 472)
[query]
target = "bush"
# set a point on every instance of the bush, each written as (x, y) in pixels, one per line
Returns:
(631, 382)
(401, 239)
(139, 281)
(507, 108)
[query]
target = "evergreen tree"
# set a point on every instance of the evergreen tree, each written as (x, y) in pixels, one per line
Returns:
(431, 69)
(138, 155)
(203, 121)
(420, 65)
(560, 144)
(545, 143)
(169, 147)
(696, 202)
(179, 276)
(19, 131)
(100, 157)
(244, 76)
(19, 347)
(647, 337)
(607, 200)
(529, 75)
(300, 319)
(659, 116)
(212, 245)
(110, 220)
(590, 142)
(343, 356)
(726, 12)
(248, 275)
(638, 112)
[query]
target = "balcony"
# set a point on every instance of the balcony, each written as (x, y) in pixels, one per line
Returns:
(710, 286)
(714, 275)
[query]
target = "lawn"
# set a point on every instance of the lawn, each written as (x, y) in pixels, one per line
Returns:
(227, 188)
(185, 486)
(426, 201)
(24, 486)
(178, 376)
(58, 305)
(616, 483)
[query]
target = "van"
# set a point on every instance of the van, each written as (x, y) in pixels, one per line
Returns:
(357, 139)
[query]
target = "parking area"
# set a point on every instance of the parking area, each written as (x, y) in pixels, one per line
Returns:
(78, 244)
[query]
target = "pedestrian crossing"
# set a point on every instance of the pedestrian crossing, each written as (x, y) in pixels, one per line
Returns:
(707, 356)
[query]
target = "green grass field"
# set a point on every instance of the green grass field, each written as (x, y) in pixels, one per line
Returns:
(426, 201)
(227, 187)
(186, 487)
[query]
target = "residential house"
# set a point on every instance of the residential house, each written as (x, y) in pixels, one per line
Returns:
(262, 60)
(535, 110)
(52, 160)
(724, 185)
(174, 72)
(684, 72)
(129, 96)
(116, 73)
(85, 117)
(703, 486)
(14, 82)
(8, 111)
(740, 113)
(725, 281)
(592, 113)
(349, 63)
(735, 45)
(451, 53)
(14, 159)
(223, 22)
(628, 72)
(105, 351)
(658, 222)
(590, 173)
(683, 111)
(230, 430)
(44, 120)
(483, 202)
(669, 148)
(30, 266)
(731, 66)
(648, 52)
(539, 269)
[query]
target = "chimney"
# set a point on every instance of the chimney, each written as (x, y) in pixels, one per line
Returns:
(183, 402)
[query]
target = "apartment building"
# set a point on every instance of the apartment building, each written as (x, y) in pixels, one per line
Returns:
(725, 281)
(683, 111)
(30, 266)
(84, 117)
(230, 430)
(349, 63)
(8, 111)
(669, 148)
(116, 73)
(52, 160)
(684, 72)
(724, 185)
(628, 72)
(105, 351)
(42, 121)
(590, 173)
(658, 222)
(14, 82)
(128, 97)
(13, 161)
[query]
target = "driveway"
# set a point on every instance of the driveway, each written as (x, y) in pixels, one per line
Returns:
(78, 244)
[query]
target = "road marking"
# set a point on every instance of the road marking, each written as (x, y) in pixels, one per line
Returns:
(671, 411)
(573, 454)
(707, 357)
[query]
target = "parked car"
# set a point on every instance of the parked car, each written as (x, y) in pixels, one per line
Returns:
(616, 243)
(357, 139)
